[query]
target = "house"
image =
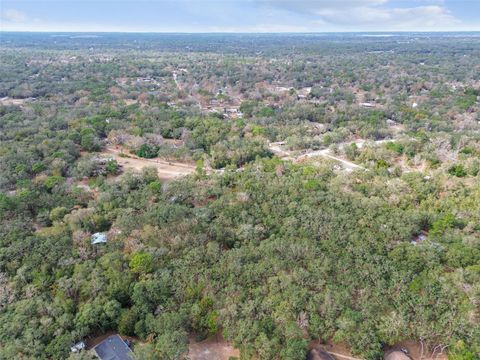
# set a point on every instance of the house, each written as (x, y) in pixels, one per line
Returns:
(99, 238)
(113, 348)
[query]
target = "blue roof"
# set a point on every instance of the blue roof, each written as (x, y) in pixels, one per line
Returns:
(113, 348)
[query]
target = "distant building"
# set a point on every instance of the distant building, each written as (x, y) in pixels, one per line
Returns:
(232, 113)
(113, 348)
(99, 238)
(367, 105)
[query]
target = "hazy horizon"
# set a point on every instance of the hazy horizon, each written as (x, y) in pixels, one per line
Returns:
(376, 32)
(240, 16)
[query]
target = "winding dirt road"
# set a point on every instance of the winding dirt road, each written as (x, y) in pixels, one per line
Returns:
(278, 150)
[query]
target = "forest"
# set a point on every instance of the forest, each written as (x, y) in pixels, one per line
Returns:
(274, 189)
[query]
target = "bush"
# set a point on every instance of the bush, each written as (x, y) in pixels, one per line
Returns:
(457, 170)
(57, 214)
(141, 263)
(395, 147)
(112, 167)
(147, 151)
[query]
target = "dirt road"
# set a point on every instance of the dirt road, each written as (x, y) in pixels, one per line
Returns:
(10, 101)
(175, 79)
(167, 170)
(347, 165)
(277, 149)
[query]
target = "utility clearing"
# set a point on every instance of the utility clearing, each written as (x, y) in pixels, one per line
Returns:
(167, 170)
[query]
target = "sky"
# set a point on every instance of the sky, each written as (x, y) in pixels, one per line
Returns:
(239, 15)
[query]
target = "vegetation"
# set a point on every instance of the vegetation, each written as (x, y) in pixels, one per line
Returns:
(273, 251)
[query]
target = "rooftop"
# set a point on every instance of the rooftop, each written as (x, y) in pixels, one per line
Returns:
(99, 238)
(113, 348)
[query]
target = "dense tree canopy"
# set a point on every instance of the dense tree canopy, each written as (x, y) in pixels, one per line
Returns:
(271, 250)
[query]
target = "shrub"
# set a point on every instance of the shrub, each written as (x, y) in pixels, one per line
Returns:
(147, 151)
(457, 170)
(141, 263)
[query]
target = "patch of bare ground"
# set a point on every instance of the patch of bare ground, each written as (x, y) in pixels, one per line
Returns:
(167, 170)
(10, 101)
(173, 142)
(414, 349)
(84, 185)
(339, 351)
(417, 351)
(214, 348)
(415, 165)
(130, 101)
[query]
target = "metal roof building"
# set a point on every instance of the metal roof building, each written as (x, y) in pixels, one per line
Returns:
(99, 238)
(113, 348)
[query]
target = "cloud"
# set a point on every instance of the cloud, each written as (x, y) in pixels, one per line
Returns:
(366, 15)
(15, 16)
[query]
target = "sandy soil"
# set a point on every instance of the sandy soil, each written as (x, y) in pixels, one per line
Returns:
(277, 149)
(10, 101)
(415, 351)
(414, 348)
(130, 101)
(167, 170)
(326, 153)
(338, 351)
(215, 348)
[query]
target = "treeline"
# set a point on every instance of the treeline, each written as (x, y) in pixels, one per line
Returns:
(272, 256)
